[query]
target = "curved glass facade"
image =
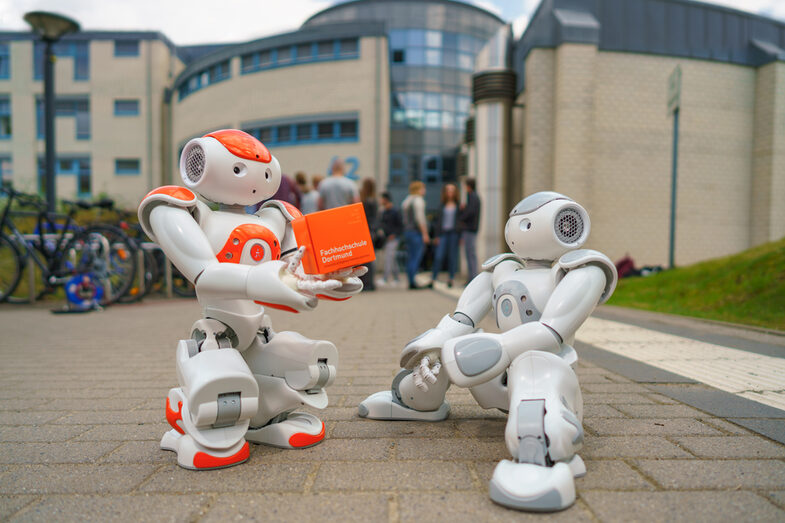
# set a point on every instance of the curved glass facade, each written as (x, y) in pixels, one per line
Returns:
(432, 45)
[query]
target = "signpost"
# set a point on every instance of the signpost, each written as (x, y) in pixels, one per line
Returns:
(674, 103)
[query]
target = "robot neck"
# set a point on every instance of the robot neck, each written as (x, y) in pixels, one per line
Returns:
(538, 264)
(237, 209)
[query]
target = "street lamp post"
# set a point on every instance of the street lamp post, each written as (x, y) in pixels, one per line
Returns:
(50, 27)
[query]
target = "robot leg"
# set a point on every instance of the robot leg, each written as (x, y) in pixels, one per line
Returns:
(543, 434)
(291, 371)
(210, 411)
(405, 401)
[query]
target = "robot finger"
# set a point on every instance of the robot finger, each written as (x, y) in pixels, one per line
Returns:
(418, 381)
(317, 285)
(294, 260)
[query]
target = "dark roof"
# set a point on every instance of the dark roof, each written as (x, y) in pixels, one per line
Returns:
(190, 53)
(683, 28)
(453, 3)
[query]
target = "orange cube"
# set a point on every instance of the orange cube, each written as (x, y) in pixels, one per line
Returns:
(335, 239)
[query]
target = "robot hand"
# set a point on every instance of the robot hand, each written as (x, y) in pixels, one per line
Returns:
(350, 283)
(430, 342)
(305, 283)
(426, 372)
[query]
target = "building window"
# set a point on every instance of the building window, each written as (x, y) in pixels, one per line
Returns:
(433, 48)
(126, 47)
(201, 79)
(78, 51)
(78, 108)
(5, 62)
(71, 166)
(127, 166)
(126, 107)
(298, 54)
(5, 117)
(312, 132)
(426, 110)
(6, 170)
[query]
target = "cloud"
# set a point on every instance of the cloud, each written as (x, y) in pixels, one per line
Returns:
(184, 22)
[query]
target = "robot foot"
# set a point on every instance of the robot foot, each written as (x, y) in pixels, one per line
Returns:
(535, 488)
(191, 455)
(381, 406)
(299, 430)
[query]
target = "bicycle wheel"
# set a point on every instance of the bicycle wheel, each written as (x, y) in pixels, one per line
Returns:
(10, 267)
(150, 271)
(105, 253)
(181, 285)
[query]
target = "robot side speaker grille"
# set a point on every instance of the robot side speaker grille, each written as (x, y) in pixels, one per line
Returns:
(194, 163)
(568, 226)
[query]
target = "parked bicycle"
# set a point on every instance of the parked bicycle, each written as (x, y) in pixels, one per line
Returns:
(94, 264)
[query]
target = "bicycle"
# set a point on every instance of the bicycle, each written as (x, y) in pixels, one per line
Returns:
(94, 264)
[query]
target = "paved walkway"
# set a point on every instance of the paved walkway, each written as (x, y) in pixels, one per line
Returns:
(81, 413)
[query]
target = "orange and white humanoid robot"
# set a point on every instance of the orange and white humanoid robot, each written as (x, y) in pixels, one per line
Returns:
(240, 380)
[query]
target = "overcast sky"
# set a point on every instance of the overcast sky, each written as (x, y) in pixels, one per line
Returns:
(188, 22)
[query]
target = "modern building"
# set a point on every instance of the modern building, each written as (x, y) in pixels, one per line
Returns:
(586, 102)
(384, 85)
(583, 103)
(109, 111)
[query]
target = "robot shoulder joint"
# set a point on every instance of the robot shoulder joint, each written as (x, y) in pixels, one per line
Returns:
(582, 257)
(289, 211)
(489, 264)
(171, 195)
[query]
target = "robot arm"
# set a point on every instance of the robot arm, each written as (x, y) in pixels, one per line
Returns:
(473, 305)
(184, 242)
(475, 359)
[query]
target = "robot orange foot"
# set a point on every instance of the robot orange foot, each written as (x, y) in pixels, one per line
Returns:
(191, 455)
(296, 430)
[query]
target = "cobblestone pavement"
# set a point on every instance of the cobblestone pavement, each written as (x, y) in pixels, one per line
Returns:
(82, 411)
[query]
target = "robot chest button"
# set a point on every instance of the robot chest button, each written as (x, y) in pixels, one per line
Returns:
(257, 252)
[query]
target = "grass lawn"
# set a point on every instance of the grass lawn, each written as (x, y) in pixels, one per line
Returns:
(747, 288)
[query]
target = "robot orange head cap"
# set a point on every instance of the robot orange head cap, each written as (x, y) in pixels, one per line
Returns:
(230, 167)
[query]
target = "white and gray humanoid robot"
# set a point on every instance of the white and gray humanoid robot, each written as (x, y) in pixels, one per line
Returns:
(540, 294)
(239, 380)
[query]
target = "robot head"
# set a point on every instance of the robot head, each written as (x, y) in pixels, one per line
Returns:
(545, 225)
(230, 167)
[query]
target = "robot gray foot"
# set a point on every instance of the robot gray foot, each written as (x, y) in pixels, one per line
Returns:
(382, 406)
(535, 488)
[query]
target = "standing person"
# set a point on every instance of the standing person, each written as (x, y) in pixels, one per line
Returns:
(337, 190)
(446, 234)
(469, 220)
(391, 224)
(371, 208)
(415, 229)
(310, 199)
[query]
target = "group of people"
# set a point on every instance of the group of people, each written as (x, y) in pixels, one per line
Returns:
(453, 224)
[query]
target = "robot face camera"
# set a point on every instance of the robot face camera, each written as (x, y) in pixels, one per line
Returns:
(546, 225)
(230, 167)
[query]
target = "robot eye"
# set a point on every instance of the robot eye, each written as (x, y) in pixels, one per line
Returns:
(525, 224)
(239, 169)
(268, 174)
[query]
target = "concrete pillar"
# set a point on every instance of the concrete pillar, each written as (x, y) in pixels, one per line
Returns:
(767, 220)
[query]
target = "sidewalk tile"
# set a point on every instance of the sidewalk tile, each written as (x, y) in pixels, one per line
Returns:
(474, 506)
(40, 432)
(660, 411)
(70, 478)
(365, 428)
(392, 476)
(731, 446)
(27, 417)
(143, 507)
(630, 447)
(57, 452)
(714, 474)
(450, 449)
(11, 504)
(252, 476)
(330, 449)
(649, 426)
(125, 432)
(266, 507)
(688, 507)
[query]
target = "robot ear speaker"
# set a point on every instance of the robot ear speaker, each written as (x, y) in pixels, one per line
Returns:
(569, 225)
(194, 163)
